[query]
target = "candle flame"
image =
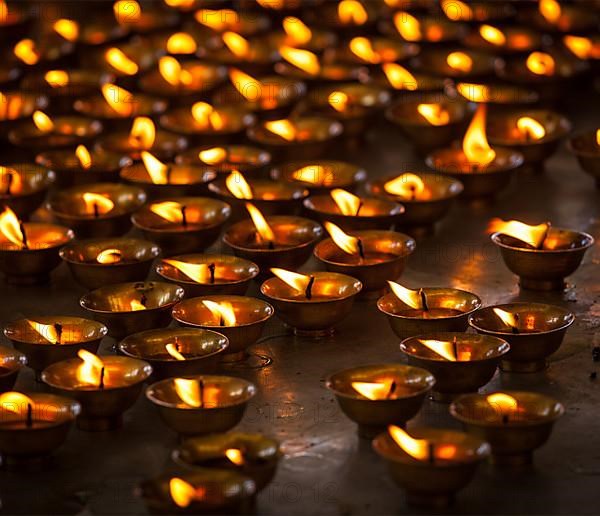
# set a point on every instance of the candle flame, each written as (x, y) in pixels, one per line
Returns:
(119, 99)
(511, 320)
(43, 122)
(412, 298)
(235, 455)
(399, 77)
(598, 137)
(271, 4)
(57, 78)
(456, 10)
(10, 107)
(237, 44)
(541, 63)
(352, 12)
(300, 58)
(313, 174)
(284, 128)
(212, 156)
(416, 448)
(16, 403)
(505, 404)
(10, 227)
(295, 280)
(492, 35)
(345, 242)
(236, 183)
(408, 26)
(407, 185)
(109, 256)
(249, 87)
(362, 47)
(116, 58)
(137, 306)
(46, 331)
(263, 229)
(143, 133)
(581, 46)
(90, 371)
(157, 170)
(206, 116)
(373, 390)
(174, 352)
(475, 144)
(127, 11)
(188, 391)
(338, 100)
(223, 312)
(183, 493)
(531, 128)
(460, 61)
(442, 348)
(550, 10)
(198, 272)
(97, 203)
(296, 30)
(27, 52)
(181, 43)
(532, 235)
(171, 71)
(435, 114)
(473, 92)
(168, 210)
(347, 203)
(68, 29)
(84, 156)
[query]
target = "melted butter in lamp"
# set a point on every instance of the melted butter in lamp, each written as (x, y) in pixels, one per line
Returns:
(417, 303)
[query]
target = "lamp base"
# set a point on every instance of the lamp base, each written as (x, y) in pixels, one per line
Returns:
(543, 285)
(99, 424)
(523, 367)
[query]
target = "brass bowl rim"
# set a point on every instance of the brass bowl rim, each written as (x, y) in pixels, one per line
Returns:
(122, 346)
(425, 289)
(518, 423)
(73, 406)
(265, 155)
(19, 363)
(564, 127)
(207, 175)
(396, 208)
(428, 377)
(392, 117)
(335, 126)
(269, 308)
(581, 152)
(250, 390)
(278, 172)
(67, 233)
(245, 117)
(495, 237)
(99, 328)
(514, 160)
(219, 187)
(455, 187)
(147, 244)
(501, 347)
(154, 103)
(356, 284)
(566, 313)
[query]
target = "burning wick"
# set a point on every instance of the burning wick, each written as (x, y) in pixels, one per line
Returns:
(347, 243)
(58, 329)
(509, 319)
(424, 304)
(101, 383)
(298, 282)
(211, 269)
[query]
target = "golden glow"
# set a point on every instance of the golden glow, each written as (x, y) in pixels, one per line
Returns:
(157, 170)
(507, 318)
(27, 52)
(11, 177)
(46, 331)
(532, 235)
(119, 99)
(188, 391)
(90, 371)
(198, 272)
(295, 280)
(352, 12)
(249, 87)
(362, 47)
(10, 227)
(57, 78)
(347, 203)
(234, 455)
(284, 128)
(456, 10)
(180, 4)
(338, 100)
(171, 71)
(409, 297)
(296, 30)
(143, 133)
(83, 156)
(345, 242)
(271, 4)
(97, 204)
(473, 92)
(10, 108)
(109, 256)
(460, 61)
(443, 348)
(168, 210)
(550, 10)
(238, 45)
(581, 46)
(407, 185)
(435, 114)
(475, 144)
(212, 156)
(236, 183)
(43, 122)
(503, 403)
(181, 43)
(492, 35)
(416, 448)
(373, 390)
(127, 11)
(207, 117)
(174, 352)
(16, 403)
(136, 306)
(300, 58)
(598, 137)
(313, 174)
(399, 77)
(68, 29)
(530, 128)
(223, 312)
(183, 493)
(262, 227)
(541, 63)
(407, 26)
(218, 20)
(116, 58)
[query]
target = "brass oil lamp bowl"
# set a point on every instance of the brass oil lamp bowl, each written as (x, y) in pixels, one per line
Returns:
(252, 455)
(240, 318)
(533, 330)
(223, 159)
(457, 63)
(498, 96)
(373, 51)
(505, 40)
(321, 176)
(442, 462)
(201, 405)
(372, 256)
(426, 198)
(98, 209)
(176, 351)
(586, 147)
(375, 396)
(328, 72)
(427, 310)
(423, 29)
(182, 224)
(514, 423)
(311, 305)
(17, 106)
(46, 339)
(11, 362)
(23, 187)
(105, 387)
(460, 362)
(104, 261)
(128, 308)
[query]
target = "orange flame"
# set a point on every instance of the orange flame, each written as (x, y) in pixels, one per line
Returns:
(90, 371)
(373, 390)
(206, 116)
(235, 455)
(313, 174)
(581, 46)
(300, 58)
(407, 185)
(338, 100)
(598, 137)
(174, 352)
(416, 448)
(16, 403)
(46, 331)
(295, 280)
(12, 178)
(511, 320)
(296, 30)
(236, 183)
(212, 156)
(183, 493)
(119, 99)
(442, 348)
(198, 272)
(352, 12)
(84, 156)
(137, 306)
(408, 26)
(27, 52)
(531, 128)
(143, 133)
(11, 228)
(492, 35)
(541, 63)
(181, 43)
(271, 4)
(171, 71)
(157, 170)
(109, 256)
(68, 29)
(168, 210)
(460, 61)
(43, 122)
(473, 92)
(347, 203)
(475, 144)
(249, 87)
(116, 58)
(97, 204)
(10, 107)
(550, 10)
(57, 78)
(456, 10)
(223, 312)
(412, 298)
(532, 235)
(362, 47)
(284, 128)
(345, 242)
(505, 404)
(399, 77)
(188, 391)
(262, 227)
(127, 11)
(435, 114)
(237, 45)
